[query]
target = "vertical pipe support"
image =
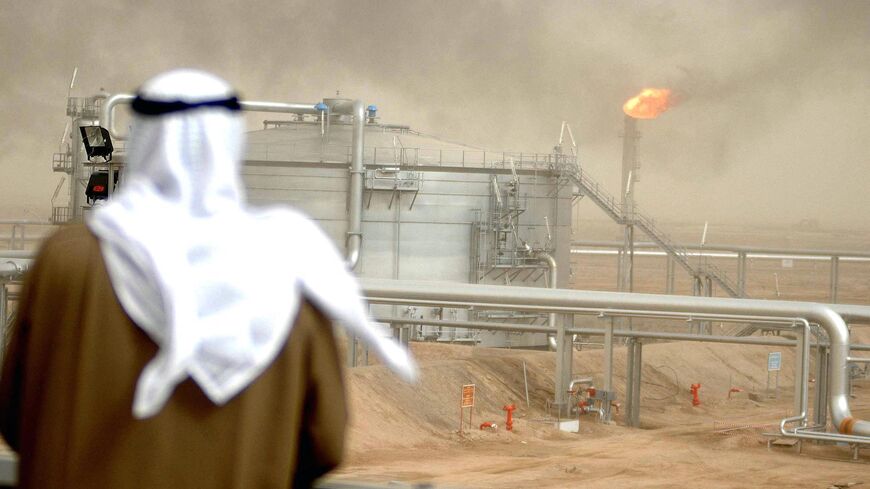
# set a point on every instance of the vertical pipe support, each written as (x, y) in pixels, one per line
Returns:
(707, 326)
(564, 347)
(351, 350)
(637, 364)
(669, 285)
(741, 273)
(801, 371)
(75, 197)
(608, 367)
(629, 379)
(553, 279)
(820, 404)
(835, 277)
(608, 355)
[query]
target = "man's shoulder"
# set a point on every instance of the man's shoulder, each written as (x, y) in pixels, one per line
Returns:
(70, 243)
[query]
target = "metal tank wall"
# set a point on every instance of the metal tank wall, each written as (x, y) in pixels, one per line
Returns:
(422, 235)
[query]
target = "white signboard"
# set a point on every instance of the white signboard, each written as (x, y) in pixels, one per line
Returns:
(774, 361)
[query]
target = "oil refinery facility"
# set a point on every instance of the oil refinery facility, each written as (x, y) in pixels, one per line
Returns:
(461, 245)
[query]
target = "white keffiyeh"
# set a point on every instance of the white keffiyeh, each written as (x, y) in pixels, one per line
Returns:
(215, 284)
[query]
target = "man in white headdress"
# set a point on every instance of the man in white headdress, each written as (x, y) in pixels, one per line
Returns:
(182, 339)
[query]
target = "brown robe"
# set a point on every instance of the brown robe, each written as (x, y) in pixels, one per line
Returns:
(71, 367)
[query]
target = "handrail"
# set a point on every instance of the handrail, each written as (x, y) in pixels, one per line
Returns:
(608, 203)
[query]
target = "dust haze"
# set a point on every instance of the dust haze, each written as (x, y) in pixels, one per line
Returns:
(771, 127)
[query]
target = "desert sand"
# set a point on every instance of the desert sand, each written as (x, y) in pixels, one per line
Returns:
(410, 433)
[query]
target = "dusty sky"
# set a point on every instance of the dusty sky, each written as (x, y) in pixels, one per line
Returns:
(772, 125)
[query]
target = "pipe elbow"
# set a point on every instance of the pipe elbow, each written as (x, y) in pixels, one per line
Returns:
(354, 243)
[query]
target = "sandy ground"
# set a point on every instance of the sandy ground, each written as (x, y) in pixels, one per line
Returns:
(409, 434)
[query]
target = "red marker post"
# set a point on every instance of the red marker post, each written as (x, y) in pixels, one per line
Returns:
(696, 401)
(466, 400)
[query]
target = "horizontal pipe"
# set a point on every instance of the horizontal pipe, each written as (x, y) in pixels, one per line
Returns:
(29, 222)
(830, 321)
(278, 107)
(656, 335)
(28, 237)
(10, 269)
(108, 115)
(18, 254)
(820, 436)
(481, 325)
(749, 250)
(603, 312)
(852, 313)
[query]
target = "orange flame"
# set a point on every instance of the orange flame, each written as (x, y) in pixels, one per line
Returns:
(648, 104)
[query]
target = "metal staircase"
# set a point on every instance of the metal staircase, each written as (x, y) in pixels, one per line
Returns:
(613, 208)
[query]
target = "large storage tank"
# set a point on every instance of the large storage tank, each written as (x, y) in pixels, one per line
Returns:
(432, 209)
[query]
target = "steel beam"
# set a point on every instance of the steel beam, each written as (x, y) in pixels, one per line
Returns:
(741, 273)
(637, 378)
(564, 353)
(669, 284)
(634, 366)
(820, 400)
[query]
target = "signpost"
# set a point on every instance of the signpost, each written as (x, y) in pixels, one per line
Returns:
(774, 364)
(466, 400)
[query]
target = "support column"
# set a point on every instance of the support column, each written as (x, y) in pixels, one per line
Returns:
(820, 400)
(801, 372)
(626, 262)
(630, 345)
(697, 286)
(608, 366)
(75, 193)
(637, 365)
(707, 326)
(634, 367)
(835, 277)
(619, 260)
(669, 286)
(697, 291)
(741, 273)
(564, 353)
(629, 176)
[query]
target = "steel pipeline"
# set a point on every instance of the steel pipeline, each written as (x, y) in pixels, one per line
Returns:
(554, 276)
(560, 299)
(355, 108)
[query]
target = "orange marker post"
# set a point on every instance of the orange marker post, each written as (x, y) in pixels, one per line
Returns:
(696, 400)
(466, 400)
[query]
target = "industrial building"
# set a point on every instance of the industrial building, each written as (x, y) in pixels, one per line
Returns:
(407, 208)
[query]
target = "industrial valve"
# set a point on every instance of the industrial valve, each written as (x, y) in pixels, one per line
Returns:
(509, 422)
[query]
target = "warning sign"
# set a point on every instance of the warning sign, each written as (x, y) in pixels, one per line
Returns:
(467, 396)
(774, 361)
